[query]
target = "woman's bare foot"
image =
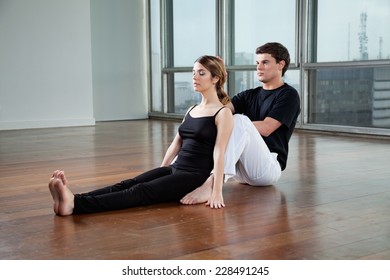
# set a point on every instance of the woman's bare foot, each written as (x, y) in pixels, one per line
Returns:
(201, 194)
(66, 197)
(54, 194)
(56, 197)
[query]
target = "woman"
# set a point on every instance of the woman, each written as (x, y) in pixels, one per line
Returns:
(199, 146)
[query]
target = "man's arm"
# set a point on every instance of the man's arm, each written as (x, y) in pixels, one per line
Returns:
(267, 126)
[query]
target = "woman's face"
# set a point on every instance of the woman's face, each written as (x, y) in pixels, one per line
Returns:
(201, 78)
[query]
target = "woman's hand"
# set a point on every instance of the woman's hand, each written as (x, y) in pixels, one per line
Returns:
(215, 201)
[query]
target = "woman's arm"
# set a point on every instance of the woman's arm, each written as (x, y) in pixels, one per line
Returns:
(224, 122)
(172, 151)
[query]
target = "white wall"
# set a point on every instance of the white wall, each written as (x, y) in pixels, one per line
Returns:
(45, 64)
(119, 59)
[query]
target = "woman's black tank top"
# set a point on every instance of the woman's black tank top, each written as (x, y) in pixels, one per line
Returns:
(198, 141)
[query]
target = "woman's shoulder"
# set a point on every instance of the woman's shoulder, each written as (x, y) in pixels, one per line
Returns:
(224, 113)
(219, 110)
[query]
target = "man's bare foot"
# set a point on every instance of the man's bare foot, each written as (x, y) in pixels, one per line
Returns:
(201, 194)
(66, 197)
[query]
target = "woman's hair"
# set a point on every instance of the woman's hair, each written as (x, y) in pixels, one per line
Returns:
(217, 69)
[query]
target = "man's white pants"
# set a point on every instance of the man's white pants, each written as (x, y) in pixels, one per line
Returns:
(247, 158)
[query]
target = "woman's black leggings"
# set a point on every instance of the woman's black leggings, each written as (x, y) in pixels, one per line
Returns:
(162, 184)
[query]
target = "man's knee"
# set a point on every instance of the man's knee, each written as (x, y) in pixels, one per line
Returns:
(242, 124)
(241, 119)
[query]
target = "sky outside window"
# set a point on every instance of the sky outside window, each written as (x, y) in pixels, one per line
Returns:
(340, 23)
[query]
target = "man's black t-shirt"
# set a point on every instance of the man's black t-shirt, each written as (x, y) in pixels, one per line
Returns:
(281, 104)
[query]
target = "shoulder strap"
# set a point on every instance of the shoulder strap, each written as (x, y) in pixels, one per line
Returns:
(219, 110)
(189, 110)
(192, 108)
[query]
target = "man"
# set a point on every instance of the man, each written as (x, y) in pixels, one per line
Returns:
(264, 120)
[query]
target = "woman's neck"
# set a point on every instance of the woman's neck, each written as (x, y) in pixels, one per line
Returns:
(209, 100)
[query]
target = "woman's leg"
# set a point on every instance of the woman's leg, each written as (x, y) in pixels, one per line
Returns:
(63, 198)
(118, 196)
(173, 187)
(126, 184)
(155, 186)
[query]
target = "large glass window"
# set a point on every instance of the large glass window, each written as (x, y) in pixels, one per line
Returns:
(340, 55)
(351, 30)
(348, 84)
(258, 22)
(193, 30)
(350, 96)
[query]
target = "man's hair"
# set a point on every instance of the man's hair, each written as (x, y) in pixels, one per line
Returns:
(277, 51)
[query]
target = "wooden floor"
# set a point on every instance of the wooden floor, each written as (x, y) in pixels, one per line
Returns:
(332, 202)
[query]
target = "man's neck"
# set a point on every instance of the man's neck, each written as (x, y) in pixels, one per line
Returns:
(273, 85)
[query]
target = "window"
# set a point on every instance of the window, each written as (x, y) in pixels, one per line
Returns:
(193, 30)
(351, 30)
(350, 96)
(340, 55)
(349, 80)
(258, 22)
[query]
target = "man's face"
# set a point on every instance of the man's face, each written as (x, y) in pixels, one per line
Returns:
(268, 69)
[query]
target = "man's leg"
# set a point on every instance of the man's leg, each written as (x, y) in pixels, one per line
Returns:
(254, 163)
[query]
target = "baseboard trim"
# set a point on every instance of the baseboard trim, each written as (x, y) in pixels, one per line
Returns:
(12, 125)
